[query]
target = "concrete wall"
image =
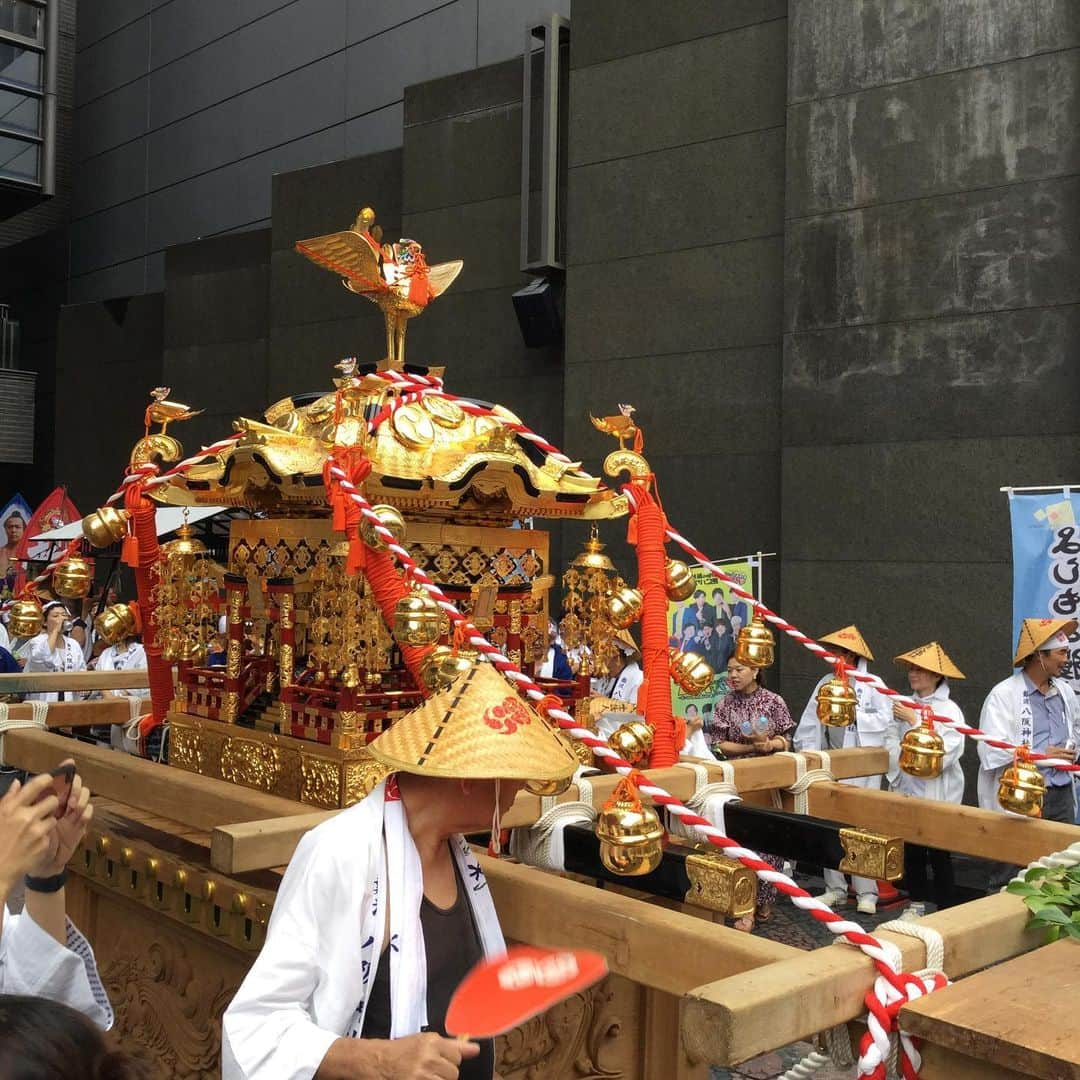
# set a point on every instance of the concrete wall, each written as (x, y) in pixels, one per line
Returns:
(675, 275)
(186, 108)
(932, 280)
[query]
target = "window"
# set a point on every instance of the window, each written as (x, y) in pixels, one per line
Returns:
(19, 112)
(20, 67)
(24, 19)
(20, 160)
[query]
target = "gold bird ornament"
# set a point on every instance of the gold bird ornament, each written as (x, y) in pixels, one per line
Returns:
(622, 426)
(164, 412)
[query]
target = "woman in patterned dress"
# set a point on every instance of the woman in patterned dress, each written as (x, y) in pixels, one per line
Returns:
(750, 721)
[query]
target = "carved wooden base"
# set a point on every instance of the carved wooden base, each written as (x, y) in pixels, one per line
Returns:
(320, 776)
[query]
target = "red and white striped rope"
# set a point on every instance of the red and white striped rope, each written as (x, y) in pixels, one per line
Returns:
(867, 677)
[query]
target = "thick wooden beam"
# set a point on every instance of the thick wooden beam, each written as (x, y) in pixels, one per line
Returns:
(257, 845)
(48, 681)
(73, 714)
(966, 830)
(751, 774)
(662, 949)
(193, 800)
(732, 1020)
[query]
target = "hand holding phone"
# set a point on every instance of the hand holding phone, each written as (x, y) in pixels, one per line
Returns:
(62, 779)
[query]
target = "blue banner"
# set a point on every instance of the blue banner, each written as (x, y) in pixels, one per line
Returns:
(1046, 562)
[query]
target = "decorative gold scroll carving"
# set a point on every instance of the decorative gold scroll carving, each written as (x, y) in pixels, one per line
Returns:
(872, 855)
(720, 884)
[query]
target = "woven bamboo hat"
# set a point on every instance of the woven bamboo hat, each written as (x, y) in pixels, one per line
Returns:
(625, 640)
(479, 729)
(849, 638)
(1035, 633)
(933, 658)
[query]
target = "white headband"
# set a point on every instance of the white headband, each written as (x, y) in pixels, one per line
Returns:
(1059, 641)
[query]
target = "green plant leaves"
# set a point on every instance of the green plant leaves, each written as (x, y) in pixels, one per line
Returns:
(1052, 895)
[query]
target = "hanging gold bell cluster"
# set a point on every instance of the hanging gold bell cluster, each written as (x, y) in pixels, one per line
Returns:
(186, 593)
(25, 618)
(922, 750)
(586, 626)
(347, 638)
(836, 700)
(755, 646)
(1022, 787)
(630, 834)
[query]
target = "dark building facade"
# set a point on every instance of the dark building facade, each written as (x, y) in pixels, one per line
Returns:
(829, 251)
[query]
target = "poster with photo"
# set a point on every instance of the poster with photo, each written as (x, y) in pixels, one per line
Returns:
(14, 518)
(708, 624)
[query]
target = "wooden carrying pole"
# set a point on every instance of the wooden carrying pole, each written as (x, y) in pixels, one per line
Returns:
(255, 845)
(79, 714)
(43, 682)
(734, 1019)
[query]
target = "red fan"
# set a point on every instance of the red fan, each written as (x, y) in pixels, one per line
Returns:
(500, 993)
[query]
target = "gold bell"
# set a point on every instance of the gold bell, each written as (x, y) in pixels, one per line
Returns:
(105, 526)
(690, 673)
(391, 519)
(115, 623)
(922, 750)
(624, 607)
(443, 665)
(836, 700)
(756, 646)
(1022, 787)
(633, 741)
(350, 677)
(678, 581)
(416, 619)
(630, 834)
(72, 578)
(25, 618)
(546, 788)
(185, 546)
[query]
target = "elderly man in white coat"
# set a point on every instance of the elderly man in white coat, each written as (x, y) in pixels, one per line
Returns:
(929, 669)
(384, 908)
(1035, 707)
(872, 716)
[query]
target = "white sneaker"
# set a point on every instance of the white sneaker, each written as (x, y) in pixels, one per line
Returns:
(833, 898)
(867, 905)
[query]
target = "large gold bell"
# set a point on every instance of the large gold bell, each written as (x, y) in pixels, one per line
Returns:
(678, 581)
(25, 618)
(633, 741)
(186, 545)
(756, 646)
(115, 623)
(416, 619)
(630, 834)
(443, 665)
(624, 607)
(547, 788)
(72, 578)
(105, 526)
(391, 519)
(837, 701)
(690, 673)
(1021, 788)
(922, 751)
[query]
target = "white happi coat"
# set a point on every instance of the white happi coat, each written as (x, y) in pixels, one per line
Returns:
(949, 786)
(310, 983)
(1004, 717)
(129, 657)
(34, 963)
(68, 656)
(872, 716)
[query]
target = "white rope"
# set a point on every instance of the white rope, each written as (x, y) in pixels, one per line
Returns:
(806, 777)
(542, 845)
(807, 1067)
(1069, 857)
(39, 710)
(708, 800)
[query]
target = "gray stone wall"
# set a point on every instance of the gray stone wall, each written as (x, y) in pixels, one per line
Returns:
(931, 279)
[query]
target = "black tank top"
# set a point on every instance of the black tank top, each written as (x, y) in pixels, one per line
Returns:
(453, 948)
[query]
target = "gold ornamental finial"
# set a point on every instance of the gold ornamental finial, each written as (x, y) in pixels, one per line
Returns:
(396, 277)
(622, 426)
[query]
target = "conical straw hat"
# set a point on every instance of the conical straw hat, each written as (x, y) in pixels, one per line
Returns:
(849, 638)
(479, 729)
(1036, 632)
(627, 639)
(933, 658)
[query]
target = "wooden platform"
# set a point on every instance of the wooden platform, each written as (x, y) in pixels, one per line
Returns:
(1014, 1020)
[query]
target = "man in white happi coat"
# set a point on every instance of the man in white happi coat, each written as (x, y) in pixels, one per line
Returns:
(624, 676)
(42, 954)
(872, 716)
(384, 908)
(1036, 708)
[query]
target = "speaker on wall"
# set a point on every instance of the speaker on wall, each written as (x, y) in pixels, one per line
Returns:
(537, 309)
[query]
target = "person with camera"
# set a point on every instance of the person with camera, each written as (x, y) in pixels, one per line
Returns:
(42, 954)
